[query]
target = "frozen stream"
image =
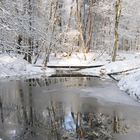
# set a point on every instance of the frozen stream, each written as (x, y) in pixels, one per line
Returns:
(72, 108)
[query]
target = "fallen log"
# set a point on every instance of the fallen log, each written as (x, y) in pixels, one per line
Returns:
(79, 67)
(111, 75)
(73, 75)
(124, 71)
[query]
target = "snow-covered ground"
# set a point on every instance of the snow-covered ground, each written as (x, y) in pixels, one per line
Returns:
(126, 62)
(113, 67)
(131, 85)
(12, 67)
(78, 59)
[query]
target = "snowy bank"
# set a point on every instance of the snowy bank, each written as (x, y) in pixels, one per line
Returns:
(131, 85)
(77, 59)
(124, 62)
(12, 67)
(113, 67)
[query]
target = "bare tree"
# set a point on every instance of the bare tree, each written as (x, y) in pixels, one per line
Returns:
(117, 18)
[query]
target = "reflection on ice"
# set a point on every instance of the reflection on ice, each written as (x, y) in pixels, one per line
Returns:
(55, 109)
(69, 124)
(12, 133)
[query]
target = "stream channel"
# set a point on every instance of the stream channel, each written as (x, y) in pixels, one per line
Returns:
(67, 108)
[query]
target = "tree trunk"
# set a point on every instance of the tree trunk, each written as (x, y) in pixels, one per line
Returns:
(48, 49)
(28, 54)
(116, 43)
(80, 29)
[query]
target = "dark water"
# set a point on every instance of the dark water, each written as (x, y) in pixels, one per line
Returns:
(67, 108)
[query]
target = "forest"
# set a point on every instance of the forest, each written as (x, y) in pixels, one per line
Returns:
(36, 37)
(39, 28)
(69, 69)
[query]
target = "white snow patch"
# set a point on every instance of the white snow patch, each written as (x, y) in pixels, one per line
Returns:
(77, 59)
(131, 85)
(15, 67)
(113, 67)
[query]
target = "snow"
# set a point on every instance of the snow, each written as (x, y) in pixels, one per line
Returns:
(77, 59)
(11, 66)
(113, 67)
(131, 85)
(125, 62)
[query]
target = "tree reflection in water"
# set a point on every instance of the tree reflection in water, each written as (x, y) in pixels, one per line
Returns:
(54, 124)
(23, 117)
